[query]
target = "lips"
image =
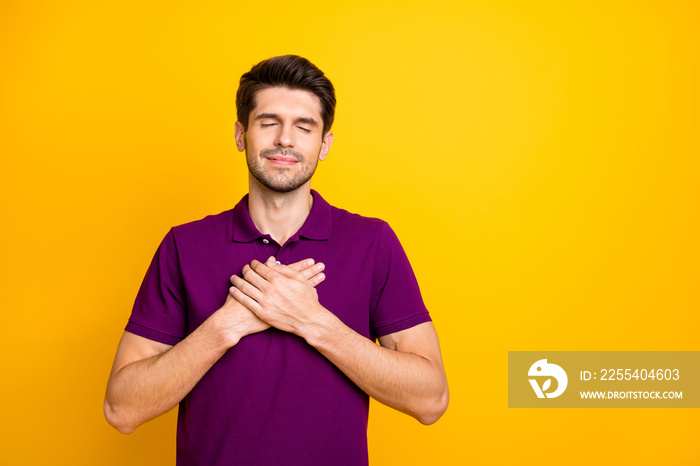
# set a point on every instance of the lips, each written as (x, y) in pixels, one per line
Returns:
(285, 157)
(282, 160)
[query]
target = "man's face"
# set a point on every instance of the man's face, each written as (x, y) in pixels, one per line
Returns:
(284, 141)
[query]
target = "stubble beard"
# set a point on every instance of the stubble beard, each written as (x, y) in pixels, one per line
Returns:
(282, 180)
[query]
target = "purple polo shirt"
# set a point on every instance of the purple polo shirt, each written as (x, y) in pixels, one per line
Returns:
(273, 399)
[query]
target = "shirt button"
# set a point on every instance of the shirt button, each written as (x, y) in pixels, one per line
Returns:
(266, 241)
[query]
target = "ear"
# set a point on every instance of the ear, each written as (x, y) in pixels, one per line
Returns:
(240, 136)
(326, 145)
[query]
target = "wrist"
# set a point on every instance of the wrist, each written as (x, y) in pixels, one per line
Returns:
(320, 329)
(220, 332)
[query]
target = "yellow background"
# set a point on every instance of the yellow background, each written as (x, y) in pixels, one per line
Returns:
(538, 160)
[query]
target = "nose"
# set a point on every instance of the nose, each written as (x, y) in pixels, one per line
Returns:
(285, 136)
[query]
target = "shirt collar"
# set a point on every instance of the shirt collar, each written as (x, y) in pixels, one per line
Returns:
(317, 225)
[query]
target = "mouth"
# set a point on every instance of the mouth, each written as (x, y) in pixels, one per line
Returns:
(282, 160)
(282, 157)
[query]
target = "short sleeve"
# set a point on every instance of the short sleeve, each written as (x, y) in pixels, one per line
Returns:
(159, 311)
(396, 303)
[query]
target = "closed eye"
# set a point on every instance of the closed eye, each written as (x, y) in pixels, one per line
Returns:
(306, 130)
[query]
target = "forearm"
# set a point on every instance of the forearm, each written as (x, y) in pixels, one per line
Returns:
(147, 388)
(405, 373)
(149, 378)
(408, 382)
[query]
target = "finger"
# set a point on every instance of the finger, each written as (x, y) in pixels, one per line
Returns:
(316, 279)
(270, 262)
(313, 271)
(262, 270)
(286, 271)
(252, 277)
(301, 265)
(245, 300)
(307, 268)
(246, 288)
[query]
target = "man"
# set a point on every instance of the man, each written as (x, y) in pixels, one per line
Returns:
(281, 372)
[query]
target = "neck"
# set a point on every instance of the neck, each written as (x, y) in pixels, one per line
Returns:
(279, 215)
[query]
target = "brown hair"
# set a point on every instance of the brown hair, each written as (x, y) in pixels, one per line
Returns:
(292, 72)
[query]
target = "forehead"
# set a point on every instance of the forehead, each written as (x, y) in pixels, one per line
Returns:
(287, 102)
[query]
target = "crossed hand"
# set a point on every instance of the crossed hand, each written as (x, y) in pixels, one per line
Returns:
(272, 294)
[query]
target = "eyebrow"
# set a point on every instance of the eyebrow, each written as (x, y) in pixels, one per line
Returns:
(306, 120)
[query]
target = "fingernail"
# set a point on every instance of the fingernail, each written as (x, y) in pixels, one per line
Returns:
(321, 266)
(321, 276)
(311, 262)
